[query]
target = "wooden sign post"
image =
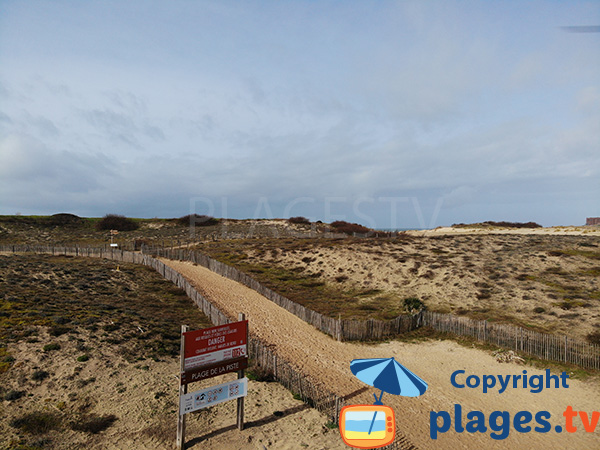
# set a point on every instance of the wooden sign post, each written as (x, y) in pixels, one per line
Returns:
(206, 353)
(182, 391)
(240, 401)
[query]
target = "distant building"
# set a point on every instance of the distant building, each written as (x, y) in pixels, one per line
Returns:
(593, 221)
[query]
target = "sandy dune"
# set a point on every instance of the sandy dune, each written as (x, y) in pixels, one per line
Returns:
(548, 282)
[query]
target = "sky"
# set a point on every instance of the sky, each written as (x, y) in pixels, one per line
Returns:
(392, 114)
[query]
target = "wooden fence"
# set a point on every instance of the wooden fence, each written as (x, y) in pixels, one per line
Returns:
(546, 346)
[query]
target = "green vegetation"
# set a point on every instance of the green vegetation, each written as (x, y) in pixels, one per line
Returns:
(331, 425)
(92, 423)
(197, 221)
(38, 422)
(39, 375)
(501, 224)
(144, 316)
(594, 337)
(302, 286)
(6, 360)
(413, 304)
(116, 222)
(299, 220)
(51, 347)
(339, 226)
(569, 264)
(13, 395)
(258, 373)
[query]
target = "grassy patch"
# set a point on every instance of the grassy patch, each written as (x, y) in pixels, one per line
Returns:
(259, 373)
(39, 375)
(135, 307)
(92, 423)
(51, 347)
(13, 395)
(37, 422)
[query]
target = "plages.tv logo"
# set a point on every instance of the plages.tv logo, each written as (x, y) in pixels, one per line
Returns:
(500, 423)
(374, 426)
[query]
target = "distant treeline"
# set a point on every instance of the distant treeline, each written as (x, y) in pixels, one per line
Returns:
(490, 223)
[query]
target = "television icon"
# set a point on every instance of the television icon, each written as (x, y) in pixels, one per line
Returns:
(367, 426)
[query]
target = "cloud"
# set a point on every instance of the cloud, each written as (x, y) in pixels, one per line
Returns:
(31, 174)
(295, 100)
(459, 196)
(588, 100)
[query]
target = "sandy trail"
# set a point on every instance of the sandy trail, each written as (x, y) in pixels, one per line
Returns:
(327, 361)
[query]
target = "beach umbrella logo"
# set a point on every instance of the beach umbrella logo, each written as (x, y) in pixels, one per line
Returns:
(389, 376)
(374, 426)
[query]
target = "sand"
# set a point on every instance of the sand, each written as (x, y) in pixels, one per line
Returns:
(326, 361)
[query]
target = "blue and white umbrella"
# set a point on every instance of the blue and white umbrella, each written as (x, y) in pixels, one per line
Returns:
(389, 376)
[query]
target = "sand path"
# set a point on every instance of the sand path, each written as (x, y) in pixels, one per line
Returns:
(327, 361)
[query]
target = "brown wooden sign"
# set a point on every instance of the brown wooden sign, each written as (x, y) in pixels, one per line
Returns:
(212, 370)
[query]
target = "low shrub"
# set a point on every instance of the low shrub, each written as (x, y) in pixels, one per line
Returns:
(51, 347)
(58, 330)
(111, 327)
(502, 224)
(36, 422)
(259, 373)
(349, 228)
(39, 375)
(413, 304)
(594, 337)
(64, 219)
(13, 395)
(116, 222)
(197, 220)
(92, 423)
(299, 220)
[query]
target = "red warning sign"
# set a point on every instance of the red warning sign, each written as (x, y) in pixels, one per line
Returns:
(215, 344)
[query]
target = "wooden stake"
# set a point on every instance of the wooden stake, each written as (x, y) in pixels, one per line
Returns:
(182, 391)
(240, 401)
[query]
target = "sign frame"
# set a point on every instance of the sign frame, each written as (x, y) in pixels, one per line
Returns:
(226, 347)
